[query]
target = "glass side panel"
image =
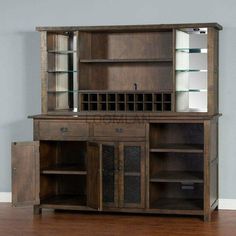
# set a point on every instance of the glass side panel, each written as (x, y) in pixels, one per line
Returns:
(191, 70)
(108, 177)
(62, 71)
(62, 51)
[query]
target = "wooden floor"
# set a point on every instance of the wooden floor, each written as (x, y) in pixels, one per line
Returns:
(21, 222)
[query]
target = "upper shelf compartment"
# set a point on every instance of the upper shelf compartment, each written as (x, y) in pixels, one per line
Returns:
(191, 69)
(126, 46)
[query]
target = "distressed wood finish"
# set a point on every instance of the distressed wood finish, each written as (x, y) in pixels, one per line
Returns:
(60, 130)
(25, 173)
(119, 130)
(43, 71)
(94, 177)
(123, 148)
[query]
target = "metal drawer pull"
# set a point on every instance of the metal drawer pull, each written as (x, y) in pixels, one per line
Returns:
(63, 129)
(119, 130)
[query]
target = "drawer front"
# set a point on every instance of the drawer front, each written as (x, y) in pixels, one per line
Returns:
(59, 130)
(119, 130)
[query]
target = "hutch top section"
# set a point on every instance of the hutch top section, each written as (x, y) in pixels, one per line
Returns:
(165, 69)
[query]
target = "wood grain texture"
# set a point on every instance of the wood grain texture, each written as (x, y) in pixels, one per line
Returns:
(43, 71)
(63, 224)
(25, 173)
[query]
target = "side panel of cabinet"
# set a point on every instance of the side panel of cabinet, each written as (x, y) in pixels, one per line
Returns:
(132, 174)
(94, 177)
(25, 173)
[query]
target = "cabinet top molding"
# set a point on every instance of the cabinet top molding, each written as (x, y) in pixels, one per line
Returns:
(129, 27)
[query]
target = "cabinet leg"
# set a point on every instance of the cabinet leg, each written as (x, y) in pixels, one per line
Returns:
(207, 217)
(37, 210)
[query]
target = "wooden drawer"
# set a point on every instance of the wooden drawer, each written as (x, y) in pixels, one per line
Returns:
(60, 130)
(119, 130)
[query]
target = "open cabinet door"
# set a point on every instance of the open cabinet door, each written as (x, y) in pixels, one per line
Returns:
(94, 176)
(25, 173)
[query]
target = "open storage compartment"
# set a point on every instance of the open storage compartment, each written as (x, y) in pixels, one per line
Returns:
(176, 196)
(176, 167)
(63, 173)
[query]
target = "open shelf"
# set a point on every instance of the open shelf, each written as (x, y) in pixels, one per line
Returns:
(176, 137)
(65, 170)
(192, 50)
(190, 70)
(178, 176)
(125, 60)
(62, 51)
(176, 196)
(65, 199)
(172, 147)
(178, 204)
(62, 71)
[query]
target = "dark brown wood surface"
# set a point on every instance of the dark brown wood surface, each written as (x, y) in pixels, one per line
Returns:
(62, 130)
(63, 224)
(128, 27)
(25, 173)
(94, 172)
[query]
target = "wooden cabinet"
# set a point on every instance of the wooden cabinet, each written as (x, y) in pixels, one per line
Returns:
(129, 121)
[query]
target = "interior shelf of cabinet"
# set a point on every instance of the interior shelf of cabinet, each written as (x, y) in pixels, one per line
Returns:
(62, 51)
(178, 204)
(65, 170)
(65, 199)
(174, 147)
(125, 60)
(62, 71)
(192, 50)
(190, 70)
(178, 177)
(192, 90)
(62, 91)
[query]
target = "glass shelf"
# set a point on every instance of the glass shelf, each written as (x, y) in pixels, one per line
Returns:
(62, 71)
(62, 51)
(192, 50)
(190, 70)
(192, 90)
(64, 91)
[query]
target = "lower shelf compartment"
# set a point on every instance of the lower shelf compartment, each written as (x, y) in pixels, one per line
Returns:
(177, 204)
(65, 199)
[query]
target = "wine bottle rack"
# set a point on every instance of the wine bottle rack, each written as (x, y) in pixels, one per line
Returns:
(131, 101)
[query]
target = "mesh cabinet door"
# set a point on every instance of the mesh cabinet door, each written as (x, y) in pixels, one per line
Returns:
(109, 175)
(132, 168)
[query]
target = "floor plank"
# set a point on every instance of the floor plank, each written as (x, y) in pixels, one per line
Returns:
(22, 222)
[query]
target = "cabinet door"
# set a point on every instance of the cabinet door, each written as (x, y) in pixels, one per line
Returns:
(25, 173)
(94, 177)
(132, 174)
(110, 175)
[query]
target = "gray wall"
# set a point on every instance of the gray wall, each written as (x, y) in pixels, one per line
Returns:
(19, 61)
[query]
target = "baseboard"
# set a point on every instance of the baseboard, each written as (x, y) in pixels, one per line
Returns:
(227, 204)
(224, 204)
(5, 196)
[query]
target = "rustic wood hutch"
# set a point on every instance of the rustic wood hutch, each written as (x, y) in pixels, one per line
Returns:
(129, 121)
